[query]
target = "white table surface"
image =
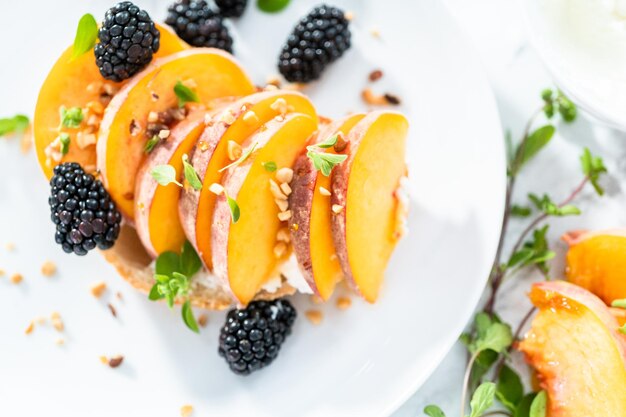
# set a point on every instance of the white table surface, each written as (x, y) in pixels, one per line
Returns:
(517, 76)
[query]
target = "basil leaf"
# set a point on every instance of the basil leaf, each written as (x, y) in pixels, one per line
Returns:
(509, 390)
(165, 175)
(190, 262)
(86, 35)
(482, 399)
(167, 263)
(272, 6)
(189, 318)
(538, 406)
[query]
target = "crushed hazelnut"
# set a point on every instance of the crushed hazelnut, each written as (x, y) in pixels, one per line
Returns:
(348, 15)
(284, 175)
(10, 246)
(276, 191)
(316, 299)
(208, 119)
(337, 208)
(295, 227)
(203, 319)
(2, 272)
(283, 205)
(203, 146)
(283, 216)
(116, 361)
(375, 32)
(314, 316)
(134, 128)
(48, 269)
(273, 80)
(375, 75)
(109, 89)
(190, 83)
(343, 303)
(228, 118)
(341, 143)
(280, 118)
(94, 87)
(17, 278)
(95, 107)
(103, 359)
(294, 86)
(250, 117)
(98, 289)
(283, 235)
(280, 105)
(60, 341)
(57, 322)
(285, 188)
(216, 188)
(186, 411)
(324, 191)
(85, 139)
(333, 257)
(153, 117)
(234, 150)
(270, 87)
(164, 134)
(280, 249)
(30, 328)
(372, 98)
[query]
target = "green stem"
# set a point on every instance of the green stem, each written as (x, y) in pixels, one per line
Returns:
(468, 373)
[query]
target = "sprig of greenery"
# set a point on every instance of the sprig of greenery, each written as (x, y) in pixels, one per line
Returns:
(242, 158)
(172, 281)
(323, 161)
(151, 143)
(593, 167)
(71, 118)
(165, 175)
(86, 35)
(64, 138)
(185, 94)
(13, 125)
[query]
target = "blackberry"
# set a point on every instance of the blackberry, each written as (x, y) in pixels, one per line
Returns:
(127, 41)
(231, 8)
(320, 38)
(251, 338)
(82, 210)
(198, 25)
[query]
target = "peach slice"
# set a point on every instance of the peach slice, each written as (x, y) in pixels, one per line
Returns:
(596, 262)
(310, 224)
(122, 136)
(156, 212)
(365, 202)
(75, 83)
(579, 355)
(234, 124)
(244, 253)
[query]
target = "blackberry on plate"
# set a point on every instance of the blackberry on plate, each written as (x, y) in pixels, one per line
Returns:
(127, 41)
(198, 25)
(320, 38)
(82, 210)
(231, 8)
(251, 338)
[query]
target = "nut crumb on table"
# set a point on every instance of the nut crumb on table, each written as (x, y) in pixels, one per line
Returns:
(17, 278)
(98, 289)
(186, 411)
(314, 316)
(48, 269)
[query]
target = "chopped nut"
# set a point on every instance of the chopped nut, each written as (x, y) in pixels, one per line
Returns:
(343, 303)
(280, 105)
(153, 117)
(314, 316)
(94, 87)
(116, 361)
(17, 278)
(191, 83)
(27, 140)
(203, 146)
(337, 208)
(294, 86)
(276, 191)
(60, 341)
(391, 99)
(273, 80)
(109, 89)
(84, 139)
(375, 75)
(250, 117)
(341, 143)
(186, 411)
(216, 188)
(30, 328)
(375, 32)
(98, 289)
(333, 257)
(283, 235)
(280, 249)
(203, 319)
(41, 320)
(348, 15)
(316, 299)
(283, 205)
(208, 119)
(57, 323)
(284, 175)
(134, 128)
(283, 216)
(285, 188)
(234, 150)
(48, 269)
(93, 120)
(228, 118)
(95, 107)
(2, 272)
(104, 360)
(324, 191)
(295, 227)
(112, 309)
(141, 206)
(164, 134)
(280, 118)
(10, 246)
(372, 98)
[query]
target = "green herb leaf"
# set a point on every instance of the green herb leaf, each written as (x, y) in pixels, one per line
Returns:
(16, 124)
(434, 411)
(328, 143)
(151, 143)
(190, 262)
(536, 141)
(484, 361)
(269, 166)
(619, 303)
(235, 213)
(497, 337)
(191, 175)
(523, 408)
(165, 175)
(593, 167)
(509, 390)
(538, 406)
(86, 35)
(325, 162)
(72, 117)
(64, 138)
(154, 293)
(482, 399)
(189, 318)
(167, 263)
(242, 158)
(272, 6)
(520, 211)
(549, 207)
(567, 109)
(185, 94)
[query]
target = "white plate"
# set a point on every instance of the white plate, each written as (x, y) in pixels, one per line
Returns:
(363, 362)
